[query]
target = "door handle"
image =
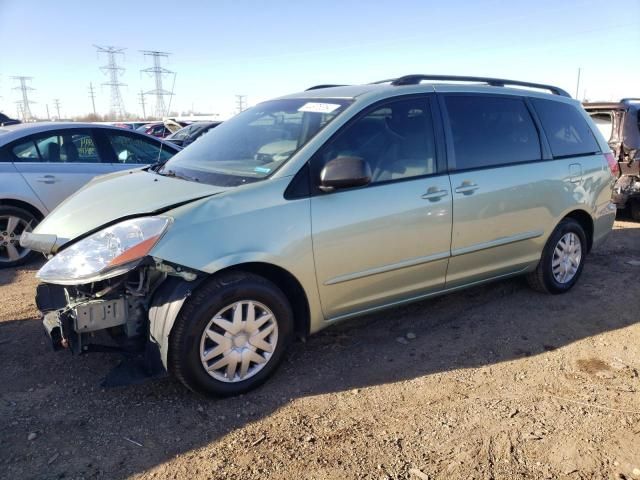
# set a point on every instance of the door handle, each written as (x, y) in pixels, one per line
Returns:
(47, 179)
(467, 188)
(434, 194)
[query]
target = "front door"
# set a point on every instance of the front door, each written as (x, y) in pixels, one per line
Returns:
(390, 240)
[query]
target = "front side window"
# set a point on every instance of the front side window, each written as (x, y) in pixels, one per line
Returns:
(255, 143)
(566, 129)
(491, 131)
(77, 147)
(132, 149)
(396, 140)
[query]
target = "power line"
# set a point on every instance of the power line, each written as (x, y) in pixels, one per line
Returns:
(142, 102)
(241, 103)
(115, 72)
(23, 104)
(158, 72)
(56, 103)
(92, 96)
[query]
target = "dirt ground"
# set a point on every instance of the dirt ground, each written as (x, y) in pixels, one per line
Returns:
(498, 383)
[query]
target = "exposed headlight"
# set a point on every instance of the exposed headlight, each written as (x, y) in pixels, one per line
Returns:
(105, 254)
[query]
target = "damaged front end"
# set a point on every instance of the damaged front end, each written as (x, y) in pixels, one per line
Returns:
(97, 293)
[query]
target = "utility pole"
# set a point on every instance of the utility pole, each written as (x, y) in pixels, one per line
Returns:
(25, 102)
(56, 103)
(92, 96)
(48, 116)
(241, 103)
(578, 84)
(158, 72)
(115, 72)
(142, 102)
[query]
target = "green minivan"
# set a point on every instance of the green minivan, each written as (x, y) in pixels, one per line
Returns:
(320, 206)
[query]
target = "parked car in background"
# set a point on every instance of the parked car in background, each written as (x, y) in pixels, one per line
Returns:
(43, 163)
(619, 123)
(161, 129)
(4, 120)
(191, 133)
(129, 125)
(320, 206)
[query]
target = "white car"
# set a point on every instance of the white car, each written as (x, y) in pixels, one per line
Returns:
(41, 164)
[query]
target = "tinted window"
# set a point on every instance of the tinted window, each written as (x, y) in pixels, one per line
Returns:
(63, 147)
(566, 129)
(396, 140)
(133, 149)
(491, 131)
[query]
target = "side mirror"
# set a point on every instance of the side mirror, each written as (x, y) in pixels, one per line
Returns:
(344, 172)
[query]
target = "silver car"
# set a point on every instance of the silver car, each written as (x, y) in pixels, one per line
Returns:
(319, 206)
(41, 164)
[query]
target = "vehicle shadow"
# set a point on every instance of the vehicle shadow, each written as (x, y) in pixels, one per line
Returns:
(115, 433)
(7, 275)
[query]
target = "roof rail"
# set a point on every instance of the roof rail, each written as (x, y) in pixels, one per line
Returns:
(494, 82)
(318, 87)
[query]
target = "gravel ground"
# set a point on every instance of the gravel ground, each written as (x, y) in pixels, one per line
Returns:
(495, 382)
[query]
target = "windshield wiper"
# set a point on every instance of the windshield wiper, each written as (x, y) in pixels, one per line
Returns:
(173, 174)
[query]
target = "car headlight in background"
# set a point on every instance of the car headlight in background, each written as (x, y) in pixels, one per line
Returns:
(108, 253)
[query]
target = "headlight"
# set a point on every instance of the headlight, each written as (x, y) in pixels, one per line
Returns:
(105, 254)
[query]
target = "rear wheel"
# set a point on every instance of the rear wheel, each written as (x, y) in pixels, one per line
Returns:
(562, 259)
(230, 335)
(14, 221)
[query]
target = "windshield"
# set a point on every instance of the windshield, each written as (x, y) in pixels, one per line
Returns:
(255, 143)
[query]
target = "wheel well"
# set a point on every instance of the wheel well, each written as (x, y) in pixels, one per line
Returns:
(289, 285)
(586, 222)
(24, 205)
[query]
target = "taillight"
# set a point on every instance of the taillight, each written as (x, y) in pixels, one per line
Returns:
(613, 164)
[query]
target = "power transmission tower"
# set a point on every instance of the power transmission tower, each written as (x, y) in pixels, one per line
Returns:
(158, 71)
(115, 72)
(142, 102)
(24, 108)
(92, 96)
(241, 103)
(56, 103)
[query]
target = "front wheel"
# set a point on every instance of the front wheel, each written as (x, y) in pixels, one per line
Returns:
(230, 335)
(562, 259)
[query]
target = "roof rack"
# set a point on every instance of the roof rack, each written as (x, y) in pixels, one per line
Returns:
(318, 87)
(494, 82)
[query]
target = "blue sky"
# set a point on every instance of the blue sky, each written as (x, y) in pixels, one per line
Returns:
(264, 49)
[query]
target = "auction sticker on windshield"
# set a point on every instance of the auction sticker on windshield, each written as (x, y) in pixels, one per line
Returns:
(318, 107)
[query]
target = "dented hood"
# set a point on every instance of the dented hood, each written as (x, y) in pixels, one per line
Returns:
(110, 198)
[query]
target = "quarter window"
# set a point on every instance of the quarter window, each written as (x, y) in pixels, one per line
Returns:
(566, 129)
(396, 140)
(491, 131)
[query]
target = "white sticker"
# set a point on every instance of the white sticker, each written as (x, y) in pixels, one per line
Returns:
(318, 107)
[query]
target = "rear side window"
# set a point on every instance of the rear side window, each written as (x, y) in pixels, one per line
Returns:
(566, 129)
(491, 131)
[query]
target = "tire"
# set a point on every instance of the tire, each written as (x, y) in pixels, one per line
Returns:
(634, 207)
(543, 278)
(13, 221)
(189, 345)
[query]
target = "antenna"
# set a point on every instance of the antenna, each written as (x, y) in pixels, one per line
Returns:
(115, 72)
(23, 105)
(158, 71)
(92, 96)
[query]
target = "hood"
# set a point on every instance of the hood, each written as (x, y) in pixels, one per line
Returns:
(109, 198)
